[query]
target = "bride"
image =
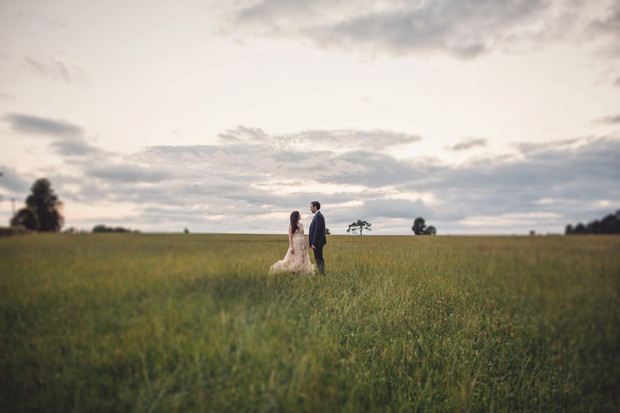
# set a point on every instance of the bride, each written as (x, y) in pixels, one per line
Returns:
(296, 259)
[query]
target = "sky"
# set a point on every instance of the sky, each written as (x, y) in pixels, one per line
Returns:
(481, 116)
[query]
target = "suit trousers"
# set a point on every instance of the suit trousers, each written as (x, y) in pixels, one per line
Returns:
(318, 257)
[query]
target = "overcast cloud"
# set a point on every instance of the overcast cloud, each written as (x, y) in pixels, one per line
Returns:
(252, 180)
(609, 120)
(75, 147)
(463, 29)
(468, 144)
(42, 126)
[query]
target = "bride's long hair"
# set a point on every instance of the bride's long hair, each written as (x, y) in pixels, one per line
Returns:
(295, 220)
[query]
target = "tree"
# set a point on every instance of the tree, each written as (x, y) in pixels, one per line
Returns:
(419, 227)
(360, 226)
(594, 227)
(611, 224)
(27, 218)
(608, 225)
(579, 229)
(327, 232)
(44, 205)
(103, 228)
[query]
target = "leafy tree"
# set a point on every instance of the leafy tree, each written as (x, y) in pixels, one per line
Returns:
(327, 232)
(594, 227)
(579, 229)
(611, 224)
(27, 218)
(360, 226)
(419, 227)
(44, 205)
(103, 228)
(608, 225)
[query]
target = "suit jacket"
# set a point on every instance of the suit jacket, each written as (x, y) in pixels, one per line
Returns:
(317, 230)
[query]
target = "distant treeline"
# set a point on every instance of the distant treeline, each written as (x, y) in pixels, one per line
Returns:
(103, 228)
(608, 225)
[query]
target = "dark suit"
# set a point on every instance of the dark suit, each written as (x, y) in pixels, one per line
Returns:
(318, 239)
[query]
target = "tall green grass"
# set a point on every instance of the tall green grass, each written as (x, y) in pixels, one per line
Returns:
(117, 322)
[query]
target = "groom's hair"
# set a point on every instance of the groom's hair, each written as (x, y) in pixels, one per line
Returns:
(317, 204)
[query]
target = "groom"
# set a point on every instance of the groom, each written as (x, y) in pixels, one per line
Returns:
(317, 235)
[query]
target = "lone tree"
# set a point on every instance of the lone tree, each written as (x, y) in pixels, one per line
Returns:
(359, 226)
(43, 209)
(419, 227)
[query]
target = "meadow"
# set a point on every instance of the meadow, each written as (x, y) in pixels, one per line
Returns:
(154, 322)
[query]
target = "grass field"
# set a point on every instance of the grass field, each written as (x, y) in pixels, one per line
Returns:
(118, 322)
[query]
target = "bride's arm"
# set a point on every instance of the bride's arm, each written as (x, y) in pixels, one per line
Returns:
(290, 239)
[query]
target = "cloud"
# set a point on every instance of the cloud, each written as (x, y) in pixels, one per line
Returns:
(251, 180)
(69, 141)
(532, 147)
(607, 27)
(56, 70)
(315, 153)
(128, 173)
(6, 96)
(454, 27)
(375, 169)
(318, 139)
(394, 208)
(12, 180)
(42, 126)
(609, 120)
(573, 173)
(461, 28)
(75, 147)
(472, 143)
(575, 177)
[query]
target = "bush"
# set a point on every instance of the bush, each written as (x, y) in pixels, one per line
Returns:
(14, 230)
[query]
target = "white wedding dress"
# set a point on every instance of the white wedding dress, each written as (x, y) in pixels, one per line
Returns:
(298, 261)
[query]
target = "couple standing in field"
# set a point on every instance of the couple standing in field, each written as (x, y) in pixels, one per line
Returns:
(297, 259)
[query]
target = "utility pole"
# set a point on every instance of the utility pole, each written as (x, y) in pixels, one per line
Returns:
(12, 199)
(2, 199)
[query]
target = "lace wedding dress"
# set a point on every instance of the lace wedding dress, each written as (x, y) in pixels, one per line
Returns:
(298, 261)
